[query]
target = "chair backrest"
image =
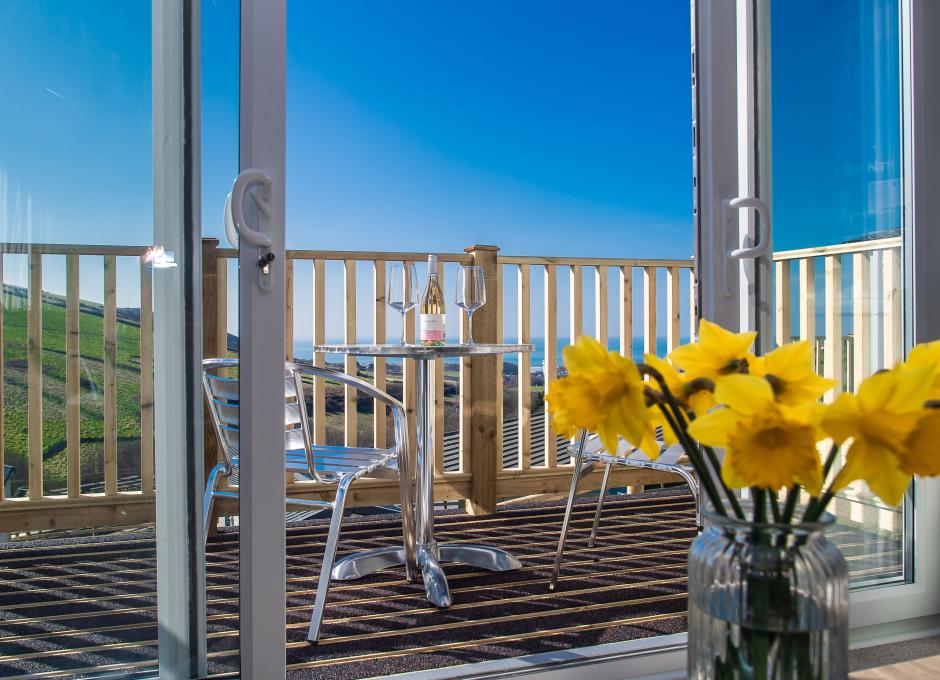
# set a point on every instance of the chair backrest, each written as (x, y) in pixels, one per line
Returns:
(222, 396)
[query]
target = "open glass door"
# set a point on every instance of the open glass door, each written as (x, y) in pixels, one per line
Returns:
(817, 115)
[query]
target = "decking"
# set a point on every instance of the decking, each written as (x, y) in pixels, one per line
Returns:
(89, 605)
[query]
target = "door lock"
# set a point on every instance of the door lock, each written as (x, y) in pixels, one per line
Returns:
(265, 263)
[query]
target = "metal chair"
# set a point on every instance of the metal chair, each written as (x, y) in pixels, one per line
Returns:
(324, 464)
(590, 451)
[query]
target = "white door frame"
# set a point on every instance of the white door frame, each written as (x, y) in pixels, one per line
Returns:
(262, 596)
(177, 326)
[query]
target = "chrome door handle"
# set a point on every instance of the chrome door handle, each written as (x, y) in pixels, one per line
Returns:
(763, 234)
(742, 252)
(234, 205)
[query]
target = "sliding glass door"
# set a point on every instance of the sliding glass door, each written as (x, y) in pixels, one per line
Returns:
(818, 100)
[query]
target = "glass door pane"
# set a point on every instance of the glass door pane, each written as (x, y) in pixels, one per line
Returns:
(835, 167)
(82, 355)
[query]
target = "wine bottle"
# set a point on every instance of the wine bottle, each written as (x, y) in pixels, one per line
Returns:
(432, 308)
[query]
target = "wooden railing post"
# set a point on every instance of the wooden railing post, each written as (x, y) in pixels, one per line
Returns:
(485, 386)
(210, 347)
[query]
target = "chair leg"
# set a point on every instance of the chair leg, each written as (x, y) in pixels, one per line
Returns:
(329, 555)
(600, 506)
(208, 499)
(575, 477)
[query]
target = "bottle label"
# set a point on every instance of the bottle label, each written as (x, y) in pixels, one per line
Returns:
(432, 327)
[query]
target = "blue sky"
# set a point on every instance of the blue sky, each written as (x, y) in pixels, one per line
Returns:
(554, 128)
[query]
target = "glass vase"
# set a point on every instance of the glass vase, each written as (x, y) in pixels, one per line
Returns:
(767, 602)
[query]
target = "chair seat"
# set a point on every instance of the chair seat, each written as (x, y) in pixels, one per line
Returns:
(339, 460)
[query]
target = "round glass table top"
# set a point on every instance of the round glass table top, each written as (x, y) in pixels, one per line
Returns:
(423, 351)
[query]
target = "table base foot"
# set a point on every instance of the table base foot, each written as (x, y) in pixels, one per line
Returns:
(364, 563)
(478, 555)
(435, 582)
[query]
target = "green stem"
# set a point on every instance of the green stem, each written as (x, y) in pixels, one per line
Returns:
(815, 511)
(774, 506)
(830, 460)
(696, 460)
(760, 504)
(732, 499)
(790, 505)
(812, 508)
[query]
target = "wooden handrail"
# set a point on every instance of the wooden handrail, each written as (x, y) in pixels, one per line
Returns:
(839, 249)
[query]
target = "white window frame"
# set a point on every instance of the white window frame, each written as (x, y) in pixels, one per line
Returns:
(877, 615)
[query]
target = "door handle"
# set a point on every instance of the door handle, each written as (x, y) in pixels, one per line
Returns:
(234, 207)
(763, 234)
(745, 252)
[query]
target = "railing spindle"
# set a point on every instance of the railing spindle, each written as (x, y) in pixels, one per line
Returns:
(438, 414)
(73, 400)
(551, 349)
(146, 376)
(832, 355)
(110, 375)
(649, 310)
(350, 394)
(808, 300)
(861, 317)
(626, 311)
(3, 302)
(600, 305)
(693, 328)
(576, 294)
(465, 405)
(892, 306)
(524, 360)
(289, 310)
(34, 376)
(782, 301)
(378, 365)
(319, 338)
(672, 308)
(221, 307)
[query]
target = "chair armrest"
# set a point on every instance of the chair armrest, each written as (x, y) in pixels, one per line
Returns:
(307, 368)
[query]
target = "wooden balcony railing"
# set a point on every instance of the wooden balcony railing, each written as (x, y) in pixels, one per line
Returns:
(101, 432)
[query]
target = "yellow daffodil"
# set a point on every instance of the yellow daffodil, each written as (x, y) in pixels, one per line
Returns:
(879, 420)
(920, 454)
(789, 370)
(927, 354)
(767, 444)
(602, 393)
(717, 353)
(699, 401)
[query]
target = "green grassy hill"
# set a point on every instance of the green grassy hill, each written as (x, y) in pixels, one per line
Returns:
(91, 370)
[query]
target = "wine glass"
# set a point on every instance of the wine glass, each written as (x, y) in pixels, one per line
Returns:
(471, 294)
(402, 293)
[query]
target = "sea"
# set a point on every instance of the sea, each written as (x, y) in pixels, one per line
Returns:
(303, 349)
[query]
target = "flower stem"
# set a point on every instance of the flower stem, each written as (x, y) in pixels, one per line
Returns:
(697, 462)
(774, 506)
(732, 499)
(760, 504)
(789, 507)
(679, 424)
(816, 505)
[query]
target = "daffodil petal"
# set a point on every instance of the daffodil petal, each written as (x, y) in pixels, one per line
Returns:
(744, 393)
(713, 428)
(840, 419)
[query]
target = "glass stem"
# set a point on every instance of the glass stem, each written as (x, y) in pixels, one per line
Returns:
(469, 327)
(403, 328)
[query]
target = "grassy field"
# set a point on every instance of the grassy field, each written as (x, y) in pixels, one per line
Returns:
(54, 407)
(15, 416)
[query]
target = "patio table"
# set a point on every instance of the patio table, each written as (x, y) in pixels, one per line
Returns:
(429, 553)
